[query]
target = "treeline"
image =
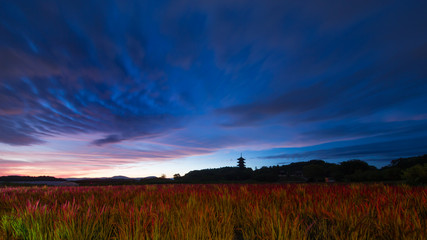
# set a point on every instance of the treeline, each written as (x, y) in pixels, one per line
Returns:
(412, 170)
(28, 179)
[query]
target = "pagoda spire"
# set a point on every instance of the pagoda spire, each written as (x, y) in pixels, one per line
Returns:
(241, 162)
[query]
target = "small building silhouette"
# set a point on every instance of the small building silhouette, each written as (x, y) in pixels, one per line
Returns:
(241, 162)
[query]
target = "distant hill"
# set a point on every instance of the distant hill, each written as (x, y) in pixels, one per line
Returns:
(120, 177)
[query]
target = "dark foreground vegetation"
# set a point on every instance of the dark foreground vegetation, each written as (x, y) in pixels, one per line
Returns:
(215, 211)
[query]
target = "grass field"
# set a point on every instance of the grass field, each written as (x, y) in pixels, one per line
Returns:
(271, 211)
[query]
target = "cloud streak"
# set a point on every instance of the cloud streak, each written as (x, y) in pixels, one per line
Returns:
(191, 81)
(384, 151)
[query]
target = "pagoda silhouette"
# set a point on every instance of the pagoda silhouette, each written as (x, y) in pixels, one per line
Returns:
(241, 162)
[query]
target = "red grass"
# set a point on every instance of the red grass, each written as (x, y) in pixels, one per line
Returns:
(291, 211)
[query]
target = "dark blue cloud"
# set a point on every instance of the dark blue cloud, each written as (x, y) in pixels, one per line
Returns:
(69, 69)
(108, 139)
(377, 153)
(135, 70)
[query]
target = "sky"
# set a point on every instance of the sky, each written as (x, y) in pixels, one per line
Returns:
(143, 88)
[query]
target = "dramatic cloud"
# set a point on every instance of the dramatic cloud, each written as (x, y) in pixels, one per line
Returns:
(170, 80)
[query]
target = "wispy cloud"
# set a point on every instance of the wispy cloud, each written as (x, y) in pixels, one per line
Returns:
(216, 75)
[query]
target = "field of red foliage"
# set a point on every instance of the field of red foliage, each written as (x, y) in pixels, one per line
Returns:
(237, 211)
